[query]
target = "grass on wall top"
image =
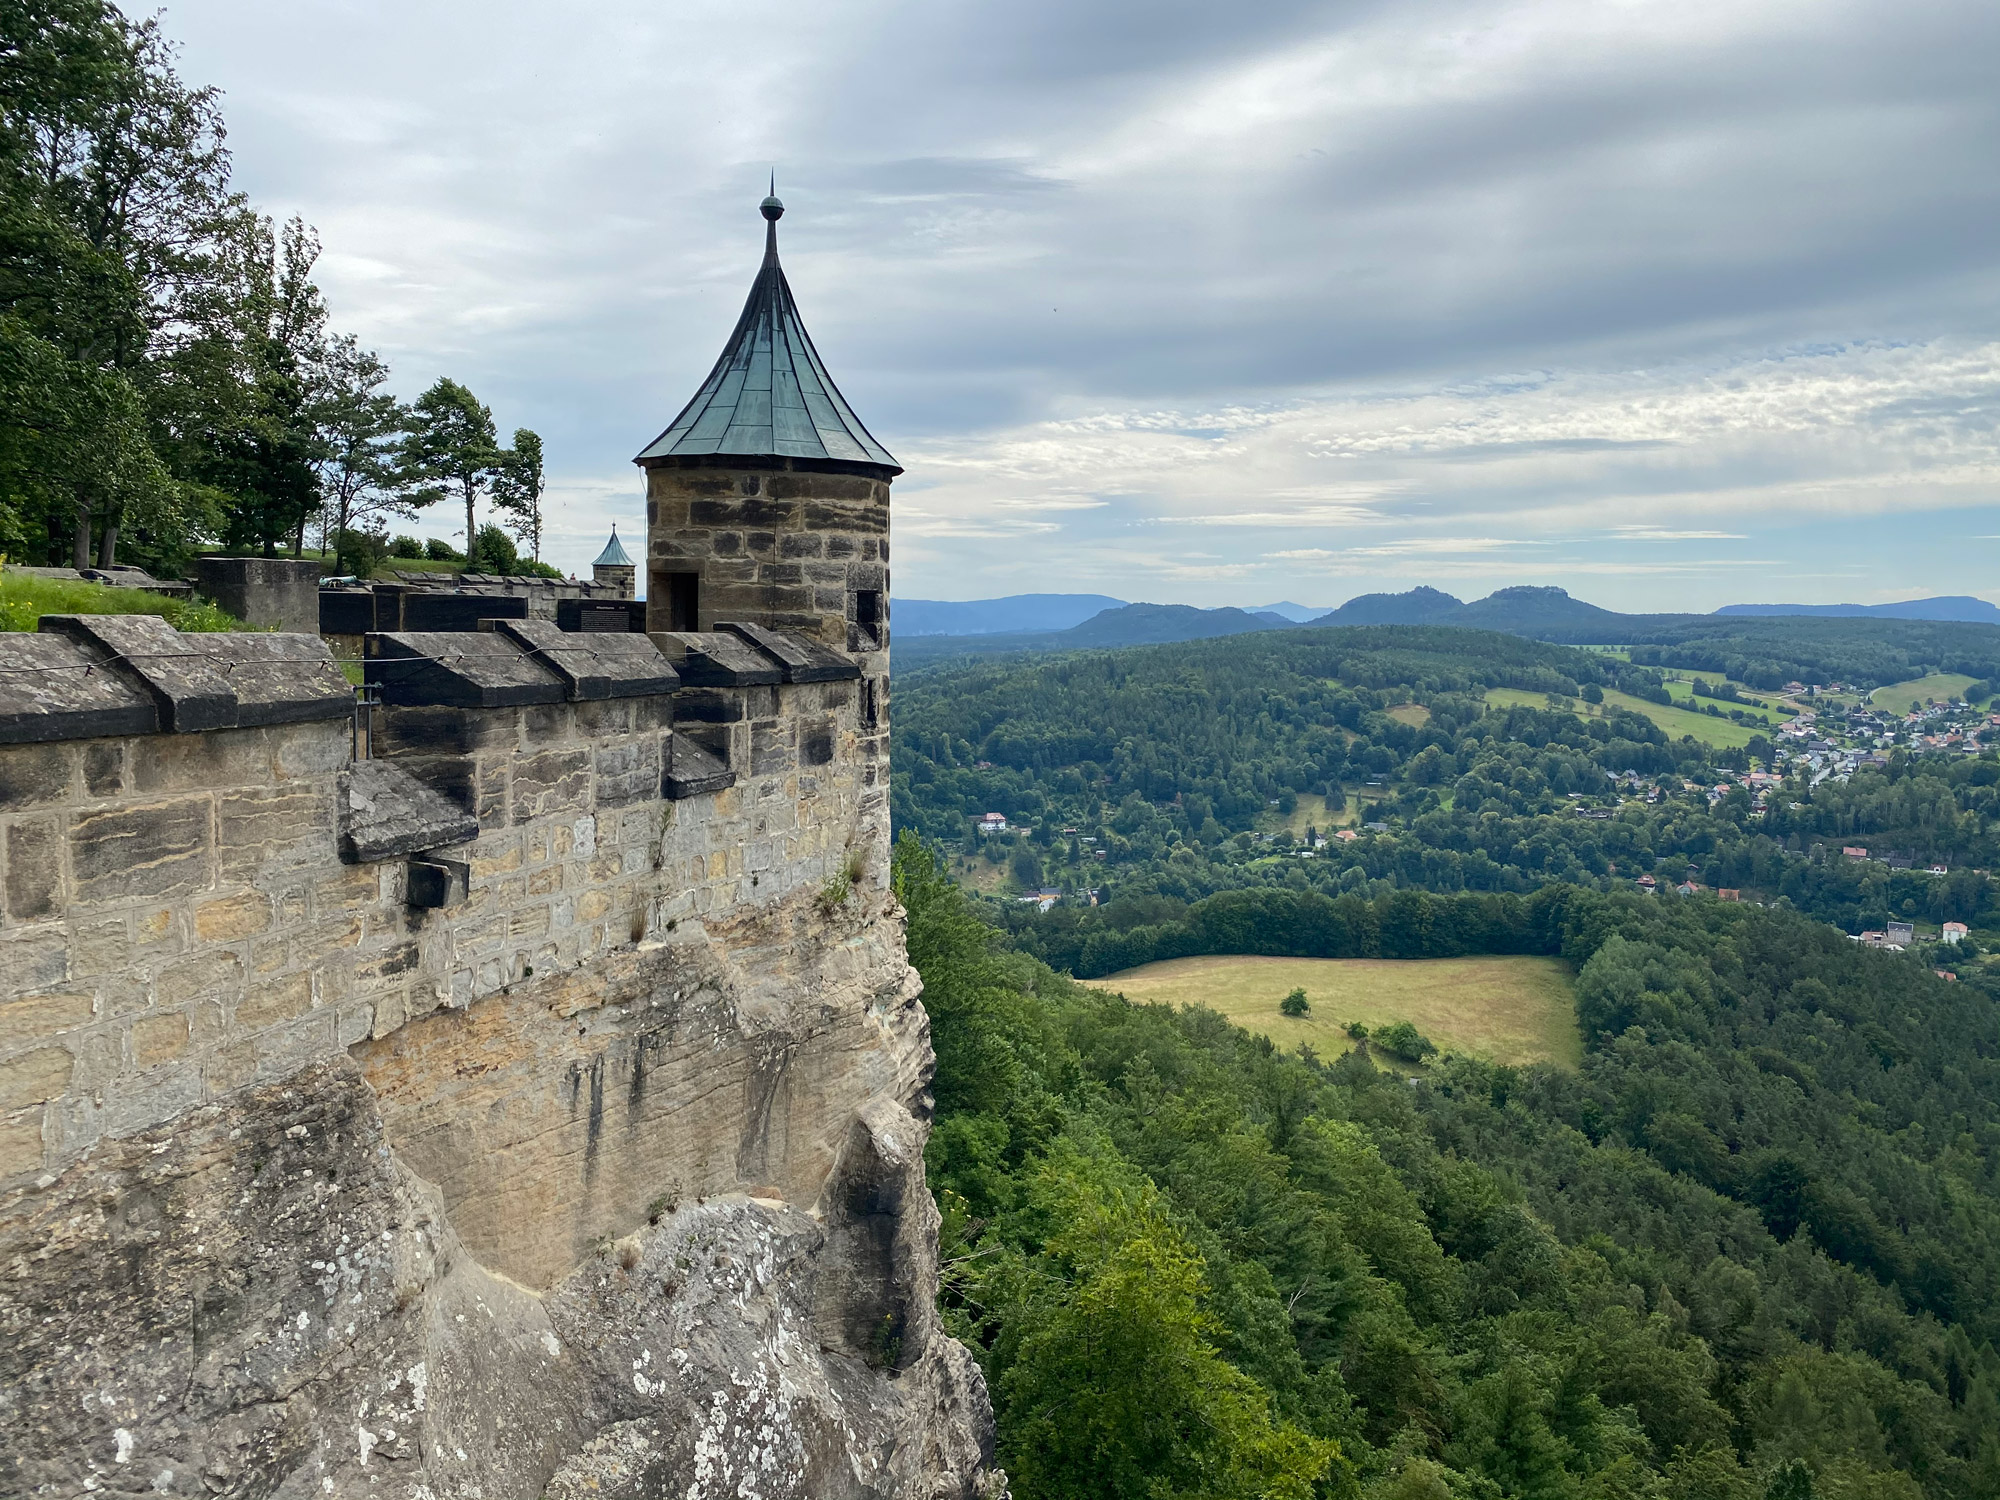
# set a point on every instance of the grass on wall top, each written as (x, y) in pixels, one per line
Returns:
(25, 598)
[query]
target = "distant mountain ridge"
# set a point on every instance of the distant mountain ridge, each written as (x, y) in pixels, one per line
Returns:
(1963, 608)
(1153, 624)
(1038, 613)
(1541, 613)
(1015, 612)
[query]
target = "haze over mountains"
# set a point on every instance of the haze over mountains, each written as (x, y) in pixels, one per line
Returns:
(1051, 613)
(1946, 607)
(928, 629)
(1043, 612)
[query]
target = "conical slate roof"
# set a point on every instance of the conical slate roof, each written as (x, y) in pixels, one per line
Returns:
(613, 555)
(769, 396)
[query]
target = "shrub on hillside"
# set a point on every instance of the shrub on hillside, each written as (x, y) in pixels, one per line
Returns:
(359, 553)
(1295, 1004)
(493, 551)
(1401, 1039)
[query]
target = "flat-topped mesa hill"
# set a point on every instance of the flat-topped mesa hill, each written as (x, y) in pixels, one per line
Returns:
(515, 1088)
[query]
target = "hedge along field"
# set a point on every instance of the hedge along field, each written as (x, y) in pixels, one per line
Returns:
(1304, 924)
(1512, 1010)
(1673, 721)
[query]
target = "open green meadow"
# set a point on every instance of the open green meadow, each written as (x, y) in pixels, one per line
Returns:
(1898, 696)
(1507, 1010)
(1674, 721)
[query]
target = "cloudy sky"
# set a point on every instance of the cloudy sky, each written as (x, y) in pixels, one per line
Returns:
(1674, 303)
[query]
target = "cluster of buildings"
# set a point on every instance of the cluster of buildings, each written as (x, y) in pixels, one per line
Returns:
(1832, 744)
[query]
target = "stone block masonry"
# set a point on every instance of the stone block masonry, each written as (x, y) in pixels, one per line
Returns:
(274, 592)
(310, 1184)
(780, 543)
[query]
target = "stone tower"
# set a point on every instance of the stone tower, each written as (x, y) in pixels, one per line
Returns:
(767, 501)
(614, 567)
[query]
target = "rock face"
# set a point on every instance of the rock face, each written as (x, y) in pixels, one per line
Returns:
(600, 1175)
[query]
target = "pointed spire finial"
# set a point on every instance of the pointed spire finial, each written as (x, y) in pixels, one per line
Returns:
(771, 208)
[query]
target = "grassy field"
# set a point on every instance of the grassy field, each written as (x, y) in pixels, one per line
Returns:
(1510, 1010)
(1897, 696)
(1413, 714)
(1675, 721)
(1310, 813)
(25, 598)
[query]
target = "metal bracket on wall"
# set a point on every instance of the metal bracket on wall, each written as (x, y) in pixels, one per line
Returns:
(367, 698)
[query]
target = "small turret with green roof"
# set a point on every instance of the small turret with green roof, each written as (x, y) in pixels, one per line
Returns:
(614, 566)
(767, 499)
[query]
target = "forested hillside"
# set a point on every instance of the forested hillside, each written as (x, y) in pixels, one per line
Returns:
(1749, 1251)
(1175, 764)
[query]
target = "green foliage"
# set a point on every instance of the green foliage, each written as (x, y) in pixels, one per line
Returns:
(1770, 651)
(360, 428)
(437, 549)
(1295, 1004)
(406, 547)
(450, 451)
(833, 895)
(167, 374)
(24, 599)
(1691, 1269)
(492, 552)
(1168, 761)
(1113, 1384)
(518, 484)
(360, 553)
(1401, 1039)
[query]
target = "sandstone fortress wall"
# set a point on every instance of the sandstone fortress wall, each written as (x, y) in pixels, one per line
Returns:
(507, 1083)
(531, 1103)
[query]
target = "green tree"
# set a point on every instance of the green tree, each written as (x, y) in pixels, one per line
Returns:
(1114, 1386)
(493, 552)
(1401, 1039)
(518, 484)
(360, 428)
(117, 221)
(238, 395)
(1295, 1004)
(451, 451)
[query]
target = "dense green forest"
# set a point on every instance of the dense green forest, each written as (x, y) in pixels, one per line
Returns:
(1749, 1251)
(1146, 773)
(1769, 651)
(1764, 651)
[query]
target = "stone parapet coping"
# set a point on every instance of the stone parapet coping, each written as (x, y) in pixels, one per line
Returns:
(87, 676)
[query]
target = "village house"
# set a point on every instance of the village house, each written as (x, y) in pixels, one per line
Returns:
(1951, 932)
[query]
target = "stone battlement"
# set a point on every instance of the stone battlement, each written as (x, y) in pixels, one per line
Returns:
(501, 1075)
(205, 888)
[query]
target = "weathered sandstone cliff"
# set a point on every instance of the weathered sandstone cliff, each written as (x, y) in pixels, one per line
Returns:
(535, 1106)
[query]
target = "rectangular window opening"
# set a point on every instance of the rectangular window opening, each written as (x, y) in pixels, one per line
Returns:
(868, 617)
(682, 592)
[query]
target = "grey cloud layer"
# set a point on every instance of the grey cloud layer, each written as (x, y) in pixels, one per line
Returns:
(1319, 277)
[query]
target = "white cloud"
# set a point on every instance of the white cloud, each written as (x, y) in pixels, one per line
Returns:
(1295, 278)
